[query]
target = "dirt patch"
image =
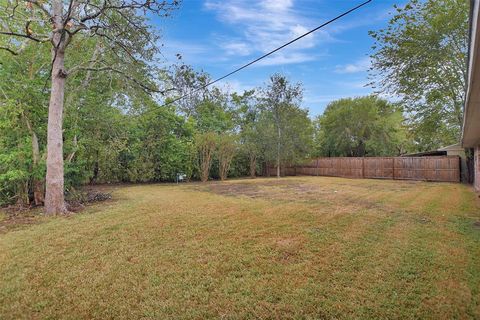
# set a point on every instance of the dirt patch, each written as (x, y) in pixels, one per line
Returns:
(16, 219)
(269, 190)
(77, 200)
(346, 198)
(232, 189)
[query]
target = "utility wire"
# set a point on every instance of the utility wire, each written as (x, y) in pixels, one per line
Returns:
(269, 53)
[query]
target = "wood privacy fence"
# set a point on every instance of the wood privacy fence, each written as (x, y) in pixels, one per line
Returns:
(443, 168)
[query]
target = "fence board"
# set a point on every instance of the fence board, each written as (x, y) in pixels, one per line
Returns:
(443, 168)
(378, 168)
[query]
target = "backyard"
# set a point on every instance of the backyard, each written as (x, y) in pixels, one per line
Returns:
(299, 247)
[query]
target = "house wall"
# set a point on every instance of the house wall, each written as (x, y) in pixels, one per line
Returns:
(477, 168)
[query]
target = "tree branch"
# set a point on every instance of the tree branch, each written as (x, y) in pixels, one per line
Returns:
(126, 76)
(20, 35)
(40, 6)
(9, 50)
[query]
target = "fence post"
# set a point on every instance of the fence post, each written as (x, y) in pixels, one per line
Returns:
(393, 167)
(363, 167)
(317, 167)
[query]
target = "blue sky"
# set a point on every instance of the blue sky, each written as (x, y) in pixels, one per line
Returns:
(218, 36)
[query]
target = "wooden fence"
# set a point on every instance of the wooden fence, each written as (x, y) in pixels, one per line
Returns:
(443, 168)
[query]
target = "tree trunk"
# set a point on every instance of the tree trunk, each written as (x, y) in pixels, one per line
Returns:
(22, 194)
(54, 196)
(38, 185)
(75, 147)
(96, 170)
(221, 170)
(253, 165)
(278, 152)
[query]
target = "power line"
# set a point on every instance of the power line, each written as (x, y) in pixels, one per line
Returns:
(269, 53)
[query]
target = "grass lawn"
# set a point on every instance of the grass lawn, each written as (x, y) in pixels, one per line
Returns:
(300, 247)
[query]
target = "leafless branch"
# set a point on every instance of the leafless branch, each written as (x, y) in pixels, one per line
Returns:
(20, 35)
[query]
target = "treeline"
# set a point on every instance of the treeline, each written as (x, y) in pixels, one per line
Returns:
(118, 133)
(123, 121)
(115, 131)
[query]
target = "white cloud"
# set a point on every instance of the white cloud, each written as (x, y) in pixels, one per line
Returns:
(236, 86)
(359, 66)
(190, 52)
(265, 25)
(286, 58)
(236, 48)
(277, 5)
(322, 98)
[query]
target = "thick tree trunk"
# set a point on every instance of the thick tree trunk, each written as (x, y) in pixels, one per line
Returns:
(54, 196)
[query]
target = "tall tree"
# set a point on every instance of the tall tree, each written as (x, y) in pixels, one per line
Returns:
(246, 119)
(22, 103)
(122, 30)
(251, 146)
(420, 58)
(205, 144)
(226, 150)
(283, 121)
(364, 126)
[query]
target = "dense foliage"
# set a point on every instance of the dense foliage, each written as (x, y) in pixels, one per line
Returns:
(115, 131)
(366, 126)
(420, 58)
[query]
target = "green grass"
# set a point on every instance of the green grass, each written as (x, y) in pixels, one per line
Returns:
(308, 248)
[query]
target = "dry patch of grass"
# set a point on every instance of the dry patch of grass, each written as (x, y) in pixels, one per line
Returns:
(312, 247)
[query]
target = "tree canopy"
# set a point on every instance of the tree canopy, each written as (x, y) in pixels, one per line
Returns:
(357, 127)
(420, 59)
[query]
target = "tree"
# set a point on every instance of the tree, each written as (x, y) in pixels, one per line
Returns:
(420, 57)
(226, 149)
(246, 119)
(15, 156)
(184, 81)
(160, 141)
(212, 115)
(283, 123)
(205, 144)
(116, 23)
(251, 146)
(358, 127)
(22, 112)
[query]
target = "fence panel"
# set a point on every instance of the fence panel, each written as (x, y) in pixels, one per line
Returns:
(378, 168)
(446, 168)
(443, 168)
